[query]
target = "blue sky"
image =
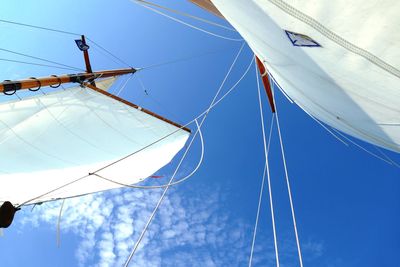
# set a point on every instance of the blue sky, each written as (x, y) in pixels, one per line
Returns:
(346, 200)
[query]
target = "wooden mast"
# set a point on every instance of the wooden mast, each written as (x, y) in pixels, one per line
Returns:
(267, 85)
(10, 87)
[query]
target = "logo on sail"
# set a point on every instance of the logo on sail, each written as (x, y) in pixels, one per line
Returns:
(299, 39)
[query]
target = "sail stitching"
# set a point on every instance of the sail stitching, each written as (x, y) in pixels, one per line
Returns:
(290, 10)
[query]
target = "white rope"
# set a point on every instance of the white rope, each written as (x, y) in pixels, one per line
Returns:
(124, 85)
(58, 223)
(361, 147)
(185, 23)
(183, 157)
(266, 171)
(173, 183)
(288, 186)
(387, 157)
(188, 15)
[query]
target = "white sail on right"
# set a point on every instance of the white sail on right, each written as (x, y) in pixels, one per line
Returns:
(338, 60)
(50, 140)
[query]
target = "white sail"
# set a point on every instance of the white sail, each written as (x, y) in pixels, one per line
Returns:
(338, 60)
(50, 140)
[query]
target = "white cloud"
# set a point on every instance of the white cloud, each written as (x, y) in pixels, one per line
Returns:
(187, 231)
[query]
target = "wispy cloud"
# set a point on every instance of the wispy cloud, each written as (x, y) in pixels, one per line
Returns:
(187, 231)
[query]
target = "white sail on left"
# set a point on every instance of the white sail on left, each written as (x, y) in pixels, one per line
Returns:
(49, 140)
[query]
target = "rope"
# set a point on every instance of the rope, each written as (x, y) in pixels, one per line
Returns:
(124, 85)
(143, 148)
(58, 223)
(173, 176)
(288, 188)
(42, 59)
(387, 157)
(173, 183)
(185, 23)
(361, 147)
(291, 11)
(188, 15)
(266, 170)
(108, 52)
(38, 27)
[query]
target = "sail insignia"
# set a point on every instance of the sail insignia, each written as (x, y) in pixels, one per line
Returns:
(299, 39)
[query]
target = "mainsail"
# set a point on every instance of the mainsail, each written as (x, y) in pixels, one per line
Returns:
(51, 140)
(339, 61)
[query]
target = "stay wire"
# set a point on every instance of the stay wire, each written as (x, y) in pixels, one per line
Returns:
(173, 176)
(288, 183)
(38, 58)
(187, 15)
(38, 27)
(185, 23)
(266, 171)
(37, 64)
(145, 147)
(108, 52)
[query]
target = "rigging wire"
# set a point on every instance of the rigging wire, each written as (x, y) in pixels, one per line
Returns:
(38, 27)
(173, 183)
(124, 85)
(361, 147)
(201, 139)
(288, 184)
(145, 147)
(387, 157)
(42, 59)
(108, 52)
(173, 176)
(187, 15)
(266, 171)
(185, 23)
(36, 64)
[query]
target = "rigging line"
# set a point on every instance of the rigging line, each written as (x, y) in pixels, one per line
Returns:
(124, 85)
(288, 185)
(173, 176)
(266, 171)
(166, 136)
(188, 15)
(259, 205)
(201, 138)
(387, 157)
(143, 148)
(186, 24)
(173, 183)
(36, 64)
(108, 52)
(361, 147)
(186, 58)
(326, 128)
(38, 27)
(58, 223)
(42, 59)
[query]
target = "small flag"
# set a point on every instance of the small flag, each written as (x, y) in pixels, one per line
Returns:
(82, 46)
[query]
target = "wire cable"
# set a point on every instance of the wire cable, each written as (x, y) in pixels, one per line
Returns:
(173, 176)
(38, 27)
(185, 23)
(188, 15)
(266, 171)
(288, 185)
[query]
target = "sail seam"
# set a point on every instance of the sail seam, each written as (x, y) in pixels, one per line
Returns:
(290, 10)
